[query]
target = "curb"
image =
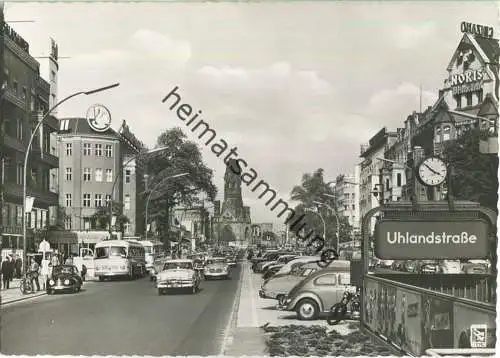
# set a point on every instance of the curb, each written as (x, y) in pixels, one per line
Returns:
(22, 298)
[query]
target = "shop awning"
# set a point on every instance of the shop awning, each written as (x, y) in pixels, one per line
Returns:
(62, 237)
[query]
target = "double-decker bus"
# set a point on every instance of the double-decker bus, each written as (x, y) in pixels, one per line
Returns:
(115, 258)
(153, 251)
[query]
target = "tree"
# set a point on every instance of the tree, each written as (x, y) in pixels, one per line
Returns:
(180, 156)
(100, 218)
(311, 190)
(474, 174)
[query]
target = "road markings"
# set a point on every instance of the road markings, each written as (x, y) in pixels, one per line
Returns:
(227, 338)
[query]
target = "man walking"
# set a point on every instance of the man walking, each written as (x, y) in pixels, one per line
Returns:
(34, 268)
(7, 270)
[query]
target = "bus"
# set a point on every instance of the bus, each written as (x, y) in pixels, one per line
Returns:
(154, 251)
(118, 258)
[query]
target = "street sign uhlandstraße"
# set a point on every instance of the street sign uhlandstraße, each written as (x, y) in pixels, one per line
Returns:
(431, 239)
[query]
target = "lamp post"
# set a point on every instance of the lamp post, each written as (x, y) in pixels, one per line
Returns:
(151, 192)
(314, 210)
(119, 175)
(28, 148)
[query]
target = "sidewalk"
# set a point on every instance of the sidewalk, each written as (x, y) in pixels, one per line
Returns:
(13, 293)
(254, 312)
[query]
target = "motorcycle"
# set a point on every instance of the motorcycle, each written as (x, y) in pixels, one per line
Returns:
(348, 308)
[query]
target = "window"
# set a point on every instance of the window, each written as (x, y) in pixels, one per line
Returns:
(127, 202)
(86, 224)
(127, 175)
(86, 200)
(458, 99)
(353, 207)
(108, 152)
(15, 87)
(98, 150)
(468, 97)
(69, 149)
(480, 96)
(67, 223)
(32, 103)
(20, 129)
(19, 174)
(387, 184)
(329, 279)
(52, 76)
(86, 148)
(345, 207)
(109, 175)
(398, 179)
(98, 175)
(108, 199)
(98, 200)
(87, 174)
(438, 135)
(446, 133)
(127, 228)
(68, 200)
(24, 93)
(68, 174)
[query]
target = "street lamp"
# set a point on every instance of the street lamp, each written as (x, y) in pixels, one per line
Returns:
(28, 148)
(118, 175)
(151, 192)
(314, 210)
(336, 218)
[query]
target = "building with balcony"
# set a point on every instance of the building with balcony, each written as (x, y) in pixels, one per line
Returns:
(24, 99)
(90, 162)
(347, 193)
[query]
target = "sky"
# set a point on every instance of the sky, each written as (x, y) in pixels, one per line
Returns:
(294, 86)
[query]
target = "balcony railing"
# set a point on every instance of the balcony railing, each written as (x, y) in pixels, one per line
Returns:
(11, 96)
(46, 197)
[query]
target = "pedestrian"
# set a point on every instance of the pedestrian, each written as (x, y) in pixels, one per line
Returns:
(34, 272)
(45, 272)
(84, 272)
(7, 269)
(19, 267)
(54, 260)
(69, 261)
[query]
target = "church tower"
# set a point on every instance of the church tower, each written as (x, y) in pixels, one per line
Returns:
(232, 207)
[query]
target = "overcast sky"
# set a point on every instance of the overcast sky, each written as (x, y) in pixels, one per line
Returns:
(295, 86)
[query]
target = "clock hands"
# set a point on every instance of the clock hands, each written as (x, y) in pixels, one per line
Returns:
(432, 170)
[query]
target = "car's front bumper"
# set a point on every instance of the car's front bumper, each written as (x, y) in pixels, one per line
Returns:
(216, 274)
(60, 288)
(175, 284)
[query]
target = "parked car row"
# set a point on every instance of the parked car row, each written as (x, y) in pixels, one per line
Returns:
(301, 285)
(433, 266)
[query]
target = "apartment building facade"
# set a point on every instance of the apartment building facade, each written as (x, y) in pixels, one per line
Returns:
(24, 99)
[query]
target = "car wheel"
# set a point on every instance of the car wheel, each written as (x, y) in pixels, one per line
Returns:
(307, 309)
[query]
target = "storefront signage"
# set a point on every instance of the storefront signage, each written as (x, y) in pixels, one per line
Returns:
(475, 29)
(469, 81)
(431, 239)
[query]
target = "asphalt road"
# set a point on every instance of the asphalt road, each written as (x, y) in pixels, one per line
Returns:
(121, 318)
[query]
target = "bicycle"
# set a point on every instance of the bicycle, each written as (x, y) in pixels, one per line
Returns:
(26, 285)
(348, 307)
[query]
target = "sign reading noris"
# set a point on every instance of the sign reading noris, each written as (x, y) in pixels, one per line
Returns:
(468, 81)
(431, 239)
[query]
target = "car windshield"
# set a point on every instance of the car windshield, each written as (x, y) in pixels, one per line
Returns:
(63, 270)
(148, 249)
(110, 251)
(178, 266)
(216, 261)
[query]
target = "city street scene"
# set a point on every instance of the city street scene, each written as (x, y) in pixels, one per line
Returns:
(249, 178)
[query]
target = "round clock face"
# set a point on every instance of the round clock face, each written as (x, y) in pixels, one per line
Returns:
(432, 171)
(99, 118)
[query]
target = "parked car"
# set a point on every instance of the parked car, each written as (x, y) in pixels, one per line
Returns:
(385, 263)
(299, 259)
(268, 256)
(277, 287)
(271, 271)
(410, 266)
(428, 266)
(283, 259)
(64, 278)
(398, 265)
(317, 293)
(450, 266)
(216, 267)
(476, 267)
(178, 274)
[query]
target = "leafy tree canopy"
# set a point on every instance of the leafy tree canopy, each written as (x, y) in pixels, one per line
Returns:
(313, 190)
(100, 219)
(474, 174)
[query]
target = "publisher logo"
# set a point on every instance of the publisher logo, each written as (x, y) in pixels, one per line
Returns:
(478, 334)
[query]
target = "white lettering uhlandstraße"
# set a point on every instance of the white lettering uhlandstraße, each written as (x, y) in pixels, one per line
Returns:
(441, 238)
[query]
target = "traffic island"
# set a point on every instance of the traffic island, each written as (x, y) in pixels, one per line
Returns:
(295, 340)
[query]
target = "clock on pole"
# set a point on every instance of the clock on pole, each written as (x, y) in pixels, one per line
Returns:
(432, 171)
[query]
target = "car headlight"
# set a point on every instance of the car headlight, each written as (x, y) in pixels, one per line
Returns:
(66, 282)
(51, 282)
